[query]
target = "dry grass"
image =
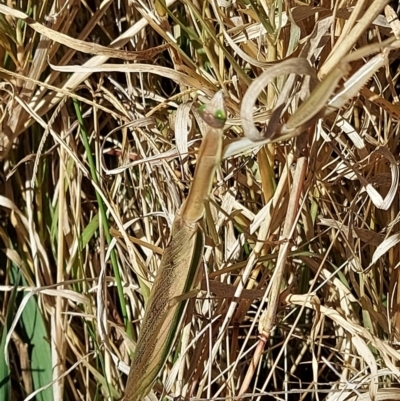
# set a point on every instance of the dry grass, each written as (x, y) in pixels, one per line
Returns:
(96, 162)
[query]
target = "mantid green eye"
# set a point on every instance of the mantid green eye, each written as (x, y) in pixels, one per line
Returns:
(220, 115)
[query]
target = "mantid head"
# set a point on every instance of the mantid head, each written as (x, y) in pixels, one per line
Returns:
(214, 112)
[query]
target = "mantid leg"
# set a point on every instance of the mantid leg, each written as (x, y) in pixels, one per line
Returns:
(321, 102)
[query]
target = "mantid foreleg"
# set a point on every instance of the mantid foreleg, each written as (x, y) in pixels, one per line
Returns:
(322, 101)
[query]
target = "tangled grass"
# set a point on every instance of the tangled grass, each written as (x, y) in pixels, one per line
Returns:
(96, 160)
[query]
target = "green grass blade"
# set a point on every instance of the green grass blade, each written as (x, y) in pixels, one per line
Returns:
(104, 219)
(5, 379)
(35, 333)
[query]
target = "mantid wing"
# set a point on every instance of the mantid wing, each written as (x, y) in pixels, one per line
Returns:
(179, 267)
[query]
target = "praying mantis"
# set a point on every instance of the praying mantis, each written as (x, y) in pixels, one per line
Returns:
(179, 264)
(181, 259)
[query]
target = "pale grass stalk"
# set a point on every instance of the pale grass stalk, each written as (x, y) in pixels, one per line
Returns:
(267, 320)
(264, 232)
(59, 307)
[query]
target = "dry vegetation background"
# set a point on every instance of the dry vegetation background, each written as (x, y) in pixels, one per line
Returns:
(96, 162)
